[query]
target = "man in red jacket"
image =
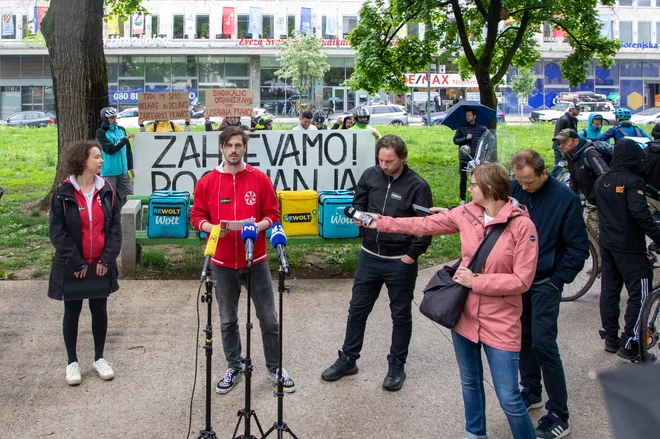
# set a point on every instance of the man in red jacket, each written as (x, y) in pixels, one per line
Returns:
(235, 191)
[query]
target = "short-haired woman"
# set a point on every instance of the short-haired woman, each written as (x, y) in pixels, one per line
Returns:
(85, 230)
(491, 317)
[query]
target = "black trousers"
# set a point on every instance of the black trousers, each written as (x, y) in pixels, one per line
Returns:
(462, 184)
(72, 309)
(636, 272)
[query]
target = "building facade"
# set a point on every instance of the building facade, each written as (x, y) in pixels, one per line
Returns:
(195, 45)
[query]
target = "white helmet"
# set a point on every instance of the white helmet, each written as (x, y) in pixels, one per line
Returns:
(110, 112)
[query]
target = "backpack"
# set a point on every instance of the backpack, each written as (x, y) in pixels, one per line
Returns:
(638, 131)
(601, 147)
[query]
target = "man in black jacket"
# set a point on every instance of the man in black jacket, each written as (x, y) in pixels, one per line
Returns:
(568, 120)
(625, 220)
(585, 163)
(563, 248)
(390, 258)
(467, 138)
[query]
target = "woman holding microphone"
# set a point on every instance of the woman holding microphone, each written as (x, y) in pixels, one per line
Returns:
(491, 317)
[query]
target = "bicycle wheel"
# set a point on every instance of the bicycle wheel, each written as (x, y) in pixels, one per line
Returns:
(585, 279)
(650, 331)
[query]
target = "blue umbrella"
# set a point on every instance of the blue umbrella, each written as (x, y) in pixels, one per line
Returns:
(334, 99)
(456, 115)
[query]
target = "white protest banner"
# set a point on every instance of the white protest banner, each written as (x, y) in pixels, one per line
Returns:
(319, 160)
(163, 105)
(223, 102)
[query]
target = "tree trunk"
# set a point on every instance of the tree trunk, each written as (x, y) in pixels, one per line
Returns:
(487, 94)
(73, 30)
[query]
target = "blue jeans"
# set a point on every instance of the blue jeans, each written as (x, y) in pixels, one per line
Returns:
(227, 291)
(370, 274)
(504, 371)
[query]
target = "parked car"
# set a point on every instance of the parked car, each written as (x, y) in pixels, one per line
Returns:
(128, 118)
(604, 108)
(383, 115)
(438, 117)
(650, 116)
(34, 119)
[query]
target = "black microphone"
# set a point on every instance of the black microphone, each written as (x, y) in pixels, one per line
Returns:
(355, 214)
(278, 241)
(249, 235)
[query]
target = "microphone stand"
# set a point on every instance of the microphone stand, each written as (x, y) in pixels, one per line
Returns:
(208, 432)
(247, 412)
(280, 426)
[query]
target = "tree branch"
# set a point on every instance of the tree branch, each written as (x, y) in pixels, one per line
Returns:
(570, 34)
(481, 9)
(531, 8)
(462, 34)
(503, 32)
(506, 61)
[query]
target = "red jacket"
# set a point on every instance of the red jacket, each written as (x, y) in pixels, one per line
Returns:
(93, 232)
(494, 305)
(223, 196)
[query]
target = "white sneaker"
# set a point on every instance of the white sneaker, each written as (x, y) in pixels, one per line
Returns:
(73, 377)
(104, 369)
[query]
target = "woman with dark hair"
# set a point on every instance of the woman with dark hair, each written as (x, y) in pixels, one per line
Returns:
(343, 124)
(85, 230)
(491, 317)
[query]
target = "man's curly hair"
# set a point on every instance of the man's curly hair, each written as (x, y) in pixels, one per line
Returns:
(76, 155)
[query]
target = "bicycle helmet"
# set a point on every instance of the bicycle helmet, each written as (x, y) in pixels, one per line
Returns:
(318, 117)
(623, 113)
(261, 121)
(361, 112)
(110, 112)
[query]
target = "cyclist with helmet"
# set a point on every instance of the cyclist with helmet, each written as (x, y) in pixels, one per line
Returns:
(263, 122)
(318, 120)
(362, 116)
(568, 120)
(623, 127)
(305, 122)
(117, 154)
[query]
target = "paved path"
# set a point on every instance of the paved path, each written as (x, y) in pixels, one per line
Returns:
(151, 342)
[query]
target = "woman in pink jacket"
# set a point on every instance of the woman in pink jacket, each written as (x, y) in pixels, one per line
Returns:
(491, 318)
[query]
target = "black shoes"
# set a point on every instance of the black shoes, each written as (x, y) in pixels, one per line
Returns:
(531, 400)
(342, 367)
(396, 375)
(612, 345)
(631, 354)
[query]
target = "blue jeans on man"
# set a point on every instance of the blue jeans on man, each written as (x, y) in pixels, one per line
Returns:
(370, 275)
(228, 283)
(504, 370)
(539, 356)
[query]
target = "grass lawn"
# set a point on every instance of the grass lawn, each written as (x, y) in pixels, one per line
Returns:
(28, 158)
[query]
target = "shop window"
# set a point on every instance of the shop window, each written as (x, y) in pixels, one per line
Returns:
(643, 31)
(112, 68)
(625, 2)
(155, 30)
(607, 30)
(202, 27)
(643, 3)
(290, 24)
(131, 66)
(268, 26)
(348, 23)
(413, 29)
(630, 68)
(184, 66)
(158, 69)
(626, 31)
(242, 26)
(177, 27)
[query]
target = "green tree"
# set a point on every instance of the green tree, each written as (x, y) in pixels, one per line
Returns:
(302, 61)
(73, 30)
(484, 37)
(522, 85)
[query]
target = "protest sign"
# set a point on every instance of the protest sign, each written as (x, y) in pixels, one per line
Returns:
(223, 102)
(163, 105)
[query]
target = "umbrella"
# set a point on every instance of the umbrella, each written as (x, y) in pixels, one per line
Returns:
(632, 395)
(614, 96)
(456, 115)
(334, 99)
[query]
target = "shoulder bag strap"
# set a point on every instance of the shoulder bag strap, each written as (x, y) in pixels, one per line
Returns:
(483, 251)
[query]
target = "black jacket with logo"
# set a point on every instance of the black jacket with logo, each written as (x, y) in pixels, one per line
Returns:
(624, 215)
(376, 192)
(460, 138)
(585, 166)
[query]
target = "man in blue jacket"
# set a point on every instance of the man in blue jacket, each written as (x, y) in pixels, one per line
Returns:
(623, 127)
(563, 248)
(117, 154)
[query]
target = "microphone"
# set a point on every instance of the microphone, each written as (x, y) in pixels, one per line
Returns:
(211, 245)
(355, 214)
(249, 235)
(278, 241)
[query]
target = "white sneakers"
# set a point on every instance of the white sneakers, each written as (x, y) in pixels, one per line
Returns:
(102, 367)
(73, 377)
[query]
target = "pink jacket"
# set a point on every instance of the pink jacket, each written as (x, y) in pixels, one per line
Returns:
(494, 305)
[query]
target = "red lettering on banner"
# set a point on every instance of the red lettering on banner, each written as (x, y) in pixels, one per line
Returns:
(445, 79)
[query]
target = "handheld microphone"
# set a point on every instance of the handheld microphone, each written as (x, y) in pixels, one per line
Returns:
(211, 245)
(355, 214)
(249, 235)
(278, 241)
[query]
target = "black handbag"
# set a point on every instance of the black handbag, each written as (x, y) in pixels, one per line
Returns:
(92, 286)
(444, 299)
